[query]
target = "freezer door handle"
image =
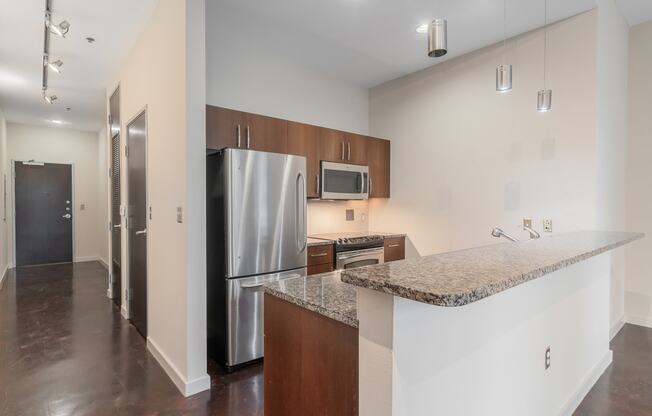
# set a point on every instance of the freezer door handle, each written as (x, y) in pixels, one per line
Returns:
(302, 240)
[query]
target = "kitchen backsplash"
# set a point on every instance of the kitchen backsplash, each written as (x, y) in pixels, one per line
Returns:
(331, 216)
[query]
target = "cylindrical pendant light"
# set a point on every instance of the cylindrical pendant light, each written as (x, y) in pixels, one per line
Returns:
(544, 101)
(544, 96)
(504, 71)
(504, 78)
(437, 38)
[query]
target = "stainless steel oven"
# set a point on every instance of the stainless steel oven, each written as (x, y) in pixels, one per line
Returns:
(343, 181)
(359, 258)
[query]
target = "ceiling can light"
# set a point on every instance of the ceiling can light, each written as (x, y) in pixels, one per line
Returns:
(544, 96)
(504, 70)
(437, 38)
(422, 29)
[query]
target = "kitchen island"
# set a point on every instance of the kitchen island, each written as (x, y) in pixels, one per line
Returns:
(509, 329)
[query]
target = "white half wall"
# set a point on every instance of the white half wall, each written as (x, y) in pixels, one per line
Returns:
(488, 357)
(61, 145)
(638, 287)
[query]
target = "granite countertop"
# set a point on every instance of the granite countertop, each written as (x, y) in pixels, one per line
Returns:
(324, 294)
(462, 277)
(319, 242)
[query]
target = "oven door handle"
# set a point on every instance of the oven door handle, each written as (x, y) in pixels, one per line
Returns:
(360, 253)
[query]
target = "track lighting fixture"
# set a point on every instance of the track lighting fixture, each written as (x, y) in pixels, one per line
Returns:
(60, 30)
(49, 98)
(55, 66)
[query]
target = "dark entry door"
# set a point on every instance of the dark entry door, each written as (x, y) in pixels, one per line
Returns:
(137, 220)
(43, 213)
(116, 231)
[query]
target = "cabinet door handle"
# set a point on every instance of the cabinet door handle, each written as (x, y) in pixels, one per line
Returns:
(319, 255)
(248, 137)
(342, 150)
(393, 245)
(349, 146)
(238, 135)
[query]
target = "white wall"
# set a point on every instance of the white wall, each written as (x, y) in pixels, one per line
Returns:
(61, 145)
(638, 299)
(611, 148)
(466, 159)
(164, 72)
(244, 75)
(4, 176)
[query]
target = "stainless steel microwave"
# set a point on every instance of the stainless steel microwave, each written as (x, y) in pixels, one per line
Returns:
(343, 181)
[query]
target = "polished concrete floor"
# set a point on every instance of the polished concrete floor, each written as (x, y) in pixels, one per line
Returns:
(64, 350)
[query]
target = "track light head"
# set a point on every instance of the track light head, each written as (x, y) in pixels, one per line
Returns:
(60, 30)
(55, 66)
(49, 98)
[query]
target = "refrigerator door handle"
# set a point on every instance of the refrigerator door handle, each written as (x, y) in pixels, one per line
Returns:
(302, 240)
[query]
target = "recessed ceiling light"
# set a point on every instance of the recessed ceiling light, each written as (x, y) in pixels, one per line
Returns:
(90, 39)
(422, 29)
(57, 122)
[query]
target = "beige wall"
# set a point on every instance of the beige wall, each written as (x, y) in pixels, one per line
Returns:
(164, 73)
(466, 159)
(638, 298)
(4, 176)
(61, 145)
(103, 196)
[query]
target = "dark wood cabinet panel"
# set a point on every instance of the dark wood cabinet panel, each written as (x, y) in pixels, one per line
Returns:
(356, 149)
(303, 140)
(305, 372)
(224, 128)
(378, 158)
(266, 134)
(394, 249)
(320, 268)
(332, 145)
(322, 254)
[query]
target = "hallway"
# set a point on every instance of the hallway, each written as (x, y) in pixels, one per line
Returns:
(64, 350)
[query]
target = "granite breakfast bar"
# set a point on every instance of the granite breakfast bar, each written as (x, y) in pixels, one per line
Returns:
(434, 332)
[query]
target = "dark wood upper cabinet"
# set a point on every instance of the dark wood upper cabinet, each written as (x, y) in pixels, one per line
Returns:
(303, 140)
(266, 134)
(332, 145)
(378, 158)
(356, 149)
(224, 128)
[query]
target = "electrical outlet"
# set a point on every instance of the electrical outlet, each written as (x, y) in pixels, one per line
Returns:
(547, 225)
(547, 361)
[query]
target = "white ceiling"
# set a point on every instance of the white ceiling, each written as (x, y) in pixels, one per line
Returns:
(635, 11)
(87, 67)
(364, 42)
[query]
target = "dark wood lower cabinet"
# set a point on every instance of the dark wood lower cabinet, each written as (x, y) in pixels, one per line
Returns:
(311, 362)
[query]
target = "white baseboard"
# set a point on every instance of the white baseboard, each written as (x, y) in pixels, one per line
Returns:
(103, 263)
(187, 388)
(124, 312)
(639, 320)
(3, 275)
(574, 401)
(615, 328)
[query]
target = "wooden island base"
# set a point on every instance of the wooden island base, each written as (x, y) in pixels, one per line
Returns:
(311, 362)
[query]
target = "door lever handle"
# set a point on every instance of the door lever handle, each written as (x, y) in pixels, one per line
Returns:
(67, 216)
(117, 226)
(141, 232)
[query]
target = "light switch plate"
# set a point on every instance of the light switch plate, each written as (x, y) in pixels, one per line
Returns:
(179, 215)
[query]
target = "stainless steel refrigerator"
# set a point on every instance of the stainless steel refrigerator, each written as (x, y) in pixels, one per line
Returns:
(256, 219)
